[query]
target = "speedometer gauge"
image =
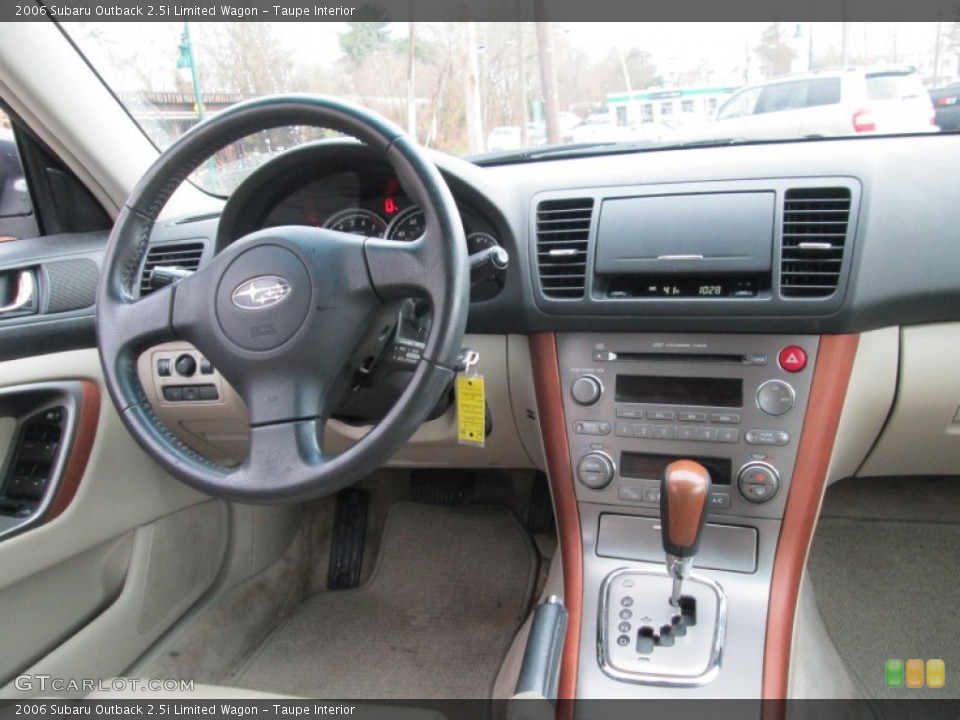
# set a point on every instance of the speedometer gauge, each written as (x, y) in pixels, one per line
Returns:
(357, 222)
(408, 225)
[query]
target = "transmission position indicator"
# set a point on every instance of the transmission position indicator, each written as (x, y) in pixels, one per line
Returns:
(408, 225)
(357, 222)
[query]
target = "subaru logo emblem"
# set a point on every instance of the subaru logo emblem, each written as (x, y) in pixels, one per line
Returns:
(260, 292)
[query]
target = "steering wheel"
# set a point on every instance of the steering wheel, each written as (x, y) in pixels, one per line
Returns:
(281, 312)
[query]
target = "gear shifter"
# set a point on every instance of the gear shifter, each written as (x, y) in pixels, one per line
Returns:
(683, 510)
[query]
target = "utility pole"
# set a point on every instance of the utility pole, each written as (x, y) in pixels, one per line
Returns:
(548, 73)
(522, 82)
(936, 49)
(472, 89)
(411, 94)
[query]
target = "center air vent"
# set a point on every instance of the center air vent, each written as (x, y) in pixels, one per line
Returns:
(815, 223)
(184, 255)
(563, 227)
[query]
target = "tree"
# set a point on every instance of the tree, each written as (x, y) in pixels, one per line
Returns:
(363, 39)
(775, 52)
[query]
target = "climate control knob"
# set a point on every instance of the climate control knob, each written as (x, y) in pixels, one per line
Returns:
(595, 470)
(586, 390)
(758, 482)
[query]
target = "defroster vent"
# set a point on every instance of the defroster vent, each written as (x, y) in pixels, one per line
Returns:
(185, 255)
(815, 224)
(563, 227)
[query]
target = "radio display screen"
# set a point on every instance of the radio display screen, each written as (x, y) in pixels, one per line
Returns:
(658, 390)
(645, 466)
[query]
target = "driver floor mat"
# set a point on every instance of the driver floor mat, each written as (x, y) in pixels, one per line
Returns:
(450, 590)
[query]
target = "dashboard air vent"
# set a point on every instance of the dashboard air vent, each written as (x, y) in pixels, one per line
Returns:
(563, 227)
(815, 222)
(184, 255)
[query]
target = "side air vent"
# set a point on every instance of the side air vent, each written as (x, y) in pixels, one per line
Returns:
(815, 222)
(563, 227)
(184, 255)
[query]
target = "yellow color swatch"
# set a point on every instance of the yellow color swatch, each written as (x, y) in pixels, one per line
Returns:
(936, 673)
(914, 673)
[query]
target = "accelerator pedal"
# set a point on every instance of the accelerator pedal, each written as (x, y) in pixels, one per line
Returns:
(539, 515)
(446, 487)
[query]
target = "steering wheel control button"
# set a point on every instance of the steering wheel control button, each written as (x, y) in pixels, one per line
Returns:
(595, 470)
(186, 365)
(163, 367)
(758, 482)
(775, 397)
(586, 390)
(793, 359)
(263, 298)
(767, 437)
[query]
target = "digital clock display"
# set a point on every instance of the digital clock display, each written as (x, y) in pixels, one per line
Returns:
(682, 287)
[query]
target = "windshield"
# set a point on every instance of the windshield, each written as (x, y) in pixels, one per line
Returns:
(473, 88)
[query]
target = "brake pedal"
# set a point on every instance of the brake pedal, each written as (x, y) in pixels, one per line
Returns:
(346, 548)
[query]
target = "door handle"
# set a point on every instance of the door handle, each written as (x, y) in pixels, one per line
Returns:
(25, 290)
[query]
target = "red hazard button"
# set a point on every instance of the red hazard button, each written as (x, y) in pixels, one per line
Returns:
(792, 359)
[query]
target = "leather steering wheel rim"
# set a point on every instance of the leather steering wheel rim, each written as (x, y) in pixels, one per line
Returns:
(281, 357)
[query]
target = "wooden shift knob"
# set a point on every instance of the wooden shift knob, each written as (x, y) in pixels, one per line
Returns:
(684, 491)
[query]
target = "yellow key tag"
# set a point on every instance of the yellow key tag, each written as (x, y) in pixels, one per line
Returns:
(471, 422)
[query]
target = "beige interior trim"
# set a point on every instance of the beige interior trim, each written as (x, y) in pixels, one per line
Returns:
(922, 436)
(870, 393)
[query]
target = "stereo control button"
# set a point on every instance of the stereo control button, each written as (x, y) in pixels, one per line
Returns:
(590, 427)
(642, 430)
(629, 414)
(707, 434)
(767, 437)
(776, 397)
(725, 418)
(665, 432)
(586, 390)
(595, 470)
(692, 417)
(622, 429)
(686, 432)
(728, 435)
(660, 415)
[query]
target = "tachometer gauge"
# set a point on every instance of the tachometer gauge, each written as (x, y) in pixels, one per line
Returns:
(357, 222)
(408, 225)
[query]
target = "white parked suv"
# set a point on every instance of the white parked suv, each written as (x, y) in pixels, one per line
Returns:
(827, 103)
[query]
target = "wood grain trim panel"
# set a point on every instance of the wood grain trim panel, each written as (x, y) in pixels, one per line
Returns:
(546, 376)
(88, 415)
(828, 389)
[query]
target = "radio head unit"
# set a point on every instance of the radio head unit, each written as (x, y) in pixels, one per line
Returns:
(733, 403)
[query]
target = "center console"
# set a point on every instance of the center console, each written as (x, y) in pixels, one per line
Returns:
(634, 405)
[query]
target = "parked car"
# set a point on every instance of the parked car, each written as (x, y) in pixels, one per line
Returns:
(946, 105)
(827, 103)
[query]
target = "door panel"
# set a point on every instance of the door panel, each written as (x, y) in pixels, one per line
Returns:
(99, 581)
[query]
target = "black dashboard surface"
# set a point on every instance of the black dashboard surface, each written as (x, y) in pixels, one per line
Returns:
(902, 263)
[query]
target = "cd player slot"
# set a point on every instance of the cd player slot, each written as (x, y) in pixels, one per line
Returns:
(710, 358)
